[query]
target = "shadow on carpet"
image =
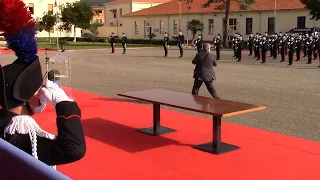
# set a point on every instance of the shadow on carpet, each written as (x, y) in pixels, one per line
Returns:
(123, 137)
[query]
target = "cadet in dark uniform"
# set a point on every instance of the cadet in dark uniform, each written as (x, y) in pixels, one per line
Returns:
(270, 42)
(113, 43)
(198, 43)
(283, 48)
(264, 48)
(234, 46)
(258, 48)
(124, 43)
(275, 46)
(239, 48)
(305, 47)
(280, 38)
(315, 51)
(166, 44)
(299, 42)
(291, 48)
(180, 43)
(217, 44)
(310, 46)
(250, 44)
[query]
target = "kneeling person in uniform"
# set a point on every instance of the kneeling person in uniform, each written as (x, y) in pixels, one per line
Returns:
(204, 71)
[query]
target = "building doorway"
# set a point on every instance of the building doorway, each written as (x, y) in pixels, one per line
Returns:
(147, 29)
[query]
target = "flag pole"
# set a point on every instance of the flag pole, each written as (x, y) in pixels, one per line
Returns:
(56, 6)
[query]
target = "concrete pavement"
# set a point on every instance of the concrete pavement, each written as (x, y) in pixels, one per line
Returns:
(291, 93)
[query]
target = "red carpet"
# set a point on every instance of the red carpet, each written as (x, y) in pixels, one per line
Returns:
(115, 150)
(3, 51)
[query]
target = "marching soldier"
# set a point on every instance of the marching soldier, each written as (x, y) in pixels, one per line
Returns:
(299, 42)
(234, 39)
(310, 46)
(250, 43)
(315, 50)
(305, 47)
(283, 48)
(166, 44)
(180, 43)
(280, 38)
(275, 46)
(239, 48)
(217, 44)
(264, 48)
(124, 43)
(270, 44)
(258, 48)
(291, 48)
(113, 43)
(198, 43)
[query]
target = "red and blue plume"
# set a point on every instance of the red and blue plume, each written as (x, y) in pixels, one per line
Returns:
(19, 29)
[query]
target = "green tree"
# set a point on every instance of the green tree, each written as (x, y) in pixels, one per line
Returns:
(225, 5)
(94, 30)
(314, 7)
(194, 26)
(78, 15)
(47, 23)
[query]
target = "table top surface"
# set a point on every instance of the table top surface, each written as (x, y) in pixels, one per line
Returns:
(207, 105)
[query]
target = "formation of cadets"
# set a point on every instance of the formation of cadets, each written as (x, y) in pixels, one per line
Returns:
(259, 46)
(283, 45)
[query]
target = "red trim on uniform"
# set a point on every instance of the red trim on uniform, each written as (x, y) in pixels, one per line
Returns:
(71, 116)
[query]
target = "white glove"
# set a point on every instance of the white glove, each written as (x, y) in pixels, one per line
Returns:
(43, 104)
(54, 94)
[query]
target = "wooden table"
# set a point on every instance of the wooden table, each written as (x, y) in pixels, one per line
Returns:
(216, 107)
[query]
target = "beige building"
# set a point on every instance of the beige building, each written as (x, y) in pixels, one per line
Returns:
(99, 16)
(38, 8)
(260, 17)
(114, 11)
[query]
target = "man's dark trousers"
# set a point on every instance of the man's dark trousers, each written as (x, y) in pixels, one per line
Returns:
(209, 84)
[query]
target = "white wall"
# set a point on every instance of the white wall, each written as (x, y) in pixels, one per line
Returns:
(285, 21)
(41, 7)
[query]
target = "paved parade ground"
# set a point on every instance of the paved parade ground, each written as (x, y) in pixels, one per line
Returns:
(291, 93)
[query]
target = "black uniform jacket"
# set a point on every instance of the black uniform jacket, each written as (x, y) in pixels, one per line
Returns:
(68, 146)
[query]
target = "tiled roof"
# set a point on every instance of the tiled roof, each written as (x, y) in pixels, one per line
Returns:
(172, 7)
(142, 1)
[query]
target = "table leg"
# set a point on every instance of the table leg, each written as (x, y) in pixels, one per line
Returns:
(156, 129)
(216, 146)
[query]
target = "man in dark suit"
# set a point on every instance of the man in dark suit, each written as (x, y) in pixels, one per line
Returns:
(204, 71)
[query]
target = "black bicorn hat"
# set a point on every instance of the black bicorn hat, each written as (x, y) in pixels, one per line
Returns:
(19, 82)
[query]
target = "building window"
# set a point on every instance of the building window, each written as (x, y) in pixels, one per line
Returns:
(120, 12)
(99, 21)
(161, 27)
(136, 27)
(301, 22)
(50, 8)
(271, 25)
(175, 27)
(248, 25)
(211, 26)
(31, 8)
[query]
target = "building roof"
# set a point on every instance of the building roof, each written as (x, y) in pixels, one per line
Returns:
(173, 7)
(139, 1)
(95, 2)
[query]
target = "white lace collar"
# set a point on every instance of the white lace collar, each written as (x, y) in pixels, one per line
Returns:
(24, 124)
